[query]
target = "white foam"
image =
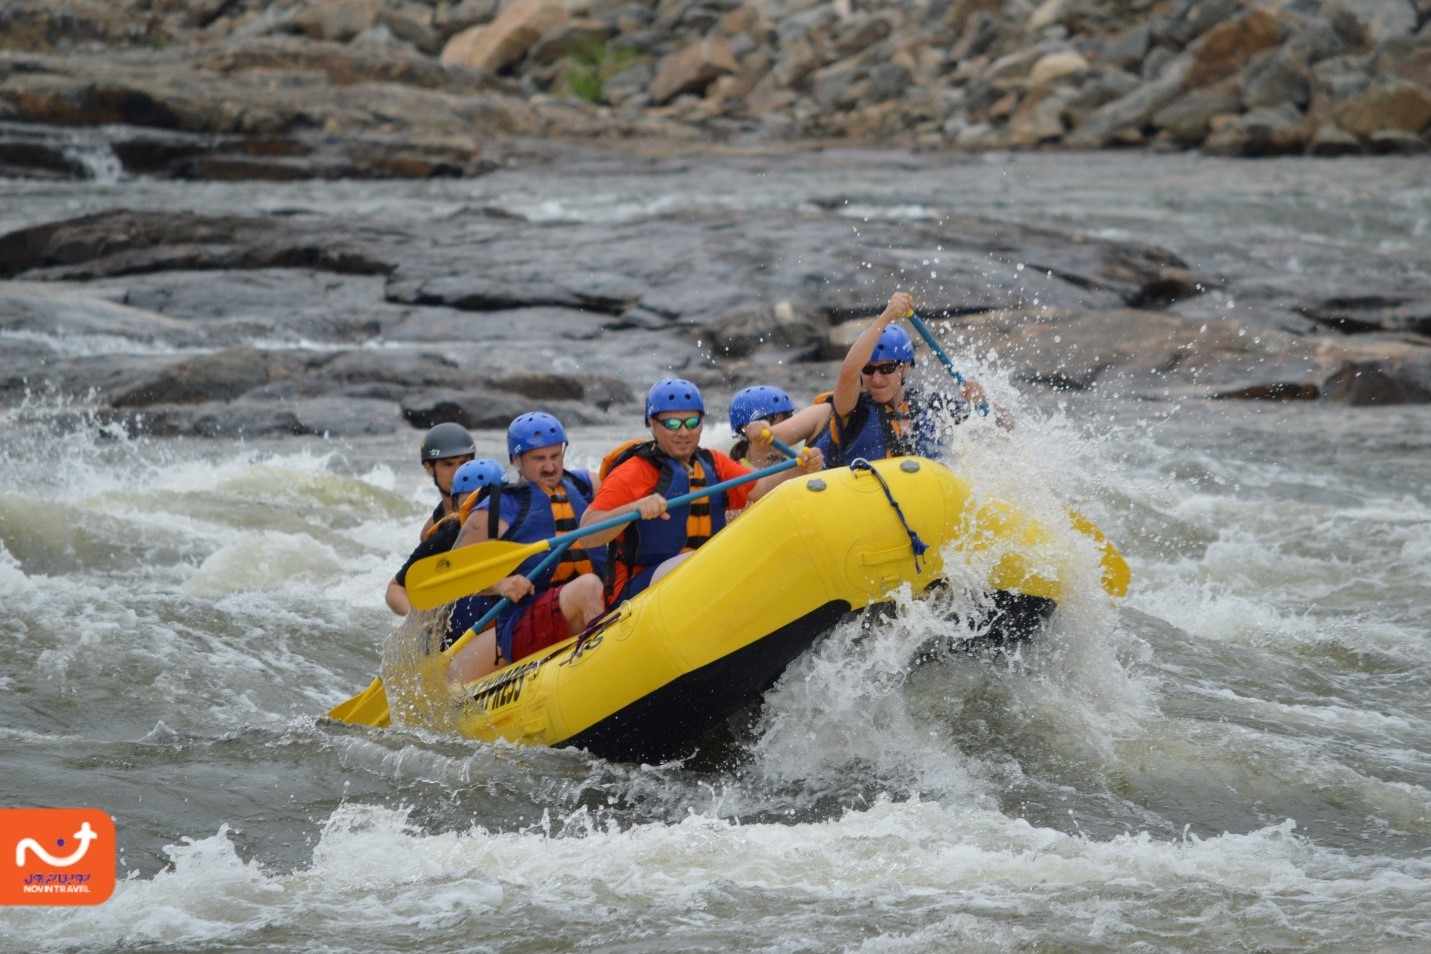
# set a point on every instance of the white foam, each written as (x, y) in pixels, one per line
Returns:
(374, 879)
(265, 561)
(13, 580)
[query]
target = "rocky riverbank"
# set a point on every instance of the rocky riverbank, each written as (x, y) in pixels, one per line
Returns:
(351, 88)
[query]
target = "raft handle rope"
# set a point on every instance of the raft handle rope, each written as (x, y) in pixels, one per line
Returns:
(596, 627)
(916, 544)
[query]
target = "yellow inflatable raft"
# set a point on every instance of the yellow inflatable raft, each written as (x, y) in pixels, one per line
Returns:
(716, 632)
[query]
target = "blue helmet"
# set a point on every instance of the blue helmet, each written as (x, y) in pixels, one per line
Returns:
(757, 403)
(894, 345)
(534, 430)
(477, 473)
(673, 394)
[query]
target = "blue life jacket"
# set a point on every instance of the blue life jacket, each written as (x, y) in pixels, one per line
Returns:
(870, 431)
(529, 519)
(647, 543)
(528, 512)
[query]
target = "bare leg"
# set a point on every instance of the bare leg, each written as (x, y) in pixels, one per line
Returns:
(582, 600)
(669, 565)
(476, 659)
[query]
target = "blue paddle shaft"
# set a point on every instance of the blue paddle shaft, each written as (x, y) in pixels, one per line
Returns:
(503, 603)
(780, 445)
(934, 346)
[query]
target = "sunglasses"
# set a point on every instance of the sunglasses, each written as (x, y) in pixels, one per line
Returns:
(676, 423)
(885, 368)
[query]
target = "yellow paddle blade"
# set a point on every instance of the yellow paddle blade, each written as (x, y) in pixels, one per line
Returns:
(450, 576)
(369, 707)
(1116, 575)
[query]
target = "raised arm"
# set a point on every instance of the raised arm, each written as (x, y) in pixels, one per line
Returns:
(847, 382)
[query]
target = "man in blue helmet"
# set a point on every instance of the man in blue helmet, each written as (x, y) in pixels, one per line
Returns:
(872, 413)
(472, 482)
(671, 464)
(547, 501)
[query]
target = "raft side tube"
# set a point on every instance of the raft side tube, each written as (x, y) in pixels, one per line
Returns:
(721, 627)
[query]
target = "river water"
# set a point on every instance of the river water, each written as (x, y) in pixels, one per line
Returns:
(1237, 756)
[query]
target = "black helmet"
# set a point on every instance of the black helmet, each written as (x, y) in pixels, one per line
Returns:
(447, 440)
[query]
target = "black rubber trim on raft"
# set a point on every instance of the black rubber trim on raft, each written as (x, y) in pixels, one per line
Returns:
(664, 724)
(661, 726)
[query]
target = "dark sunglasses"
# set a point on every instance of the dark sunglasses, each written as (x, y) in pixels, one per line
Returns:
(885, 368)
(676, 423)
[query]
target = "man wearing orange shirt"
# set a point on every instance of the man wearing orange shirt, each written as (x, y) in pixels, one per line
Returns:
(671, 465)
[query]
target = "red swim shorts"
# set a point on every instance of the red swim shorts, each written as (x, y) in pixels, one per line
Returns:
(540, 625)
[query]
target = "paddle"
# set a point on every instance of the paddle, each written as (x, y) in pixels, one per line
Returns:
(448, 576)
(370, 707)
(1116, 575)
(777, 443)
(928, 337)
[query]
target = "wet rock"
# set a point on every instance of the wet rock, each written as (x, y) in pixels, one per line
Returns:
(1363, 383)
(782, 326)
(1079, 349)
(529, 290)
(600, 390)
(223, 308)
(472, 408)
(321, 417)
(21, 363)
(487, 409)
(121, 242)
(1277, 391)
(77, 314)
(1371, 313)
(24, 157)
(401, 366)
(509, 289)
(224, 376)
